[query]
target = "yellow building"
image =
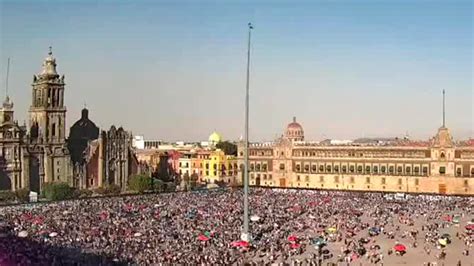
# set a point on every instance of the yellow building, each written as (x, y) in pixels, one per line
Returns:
(220, 167)
(439, 165)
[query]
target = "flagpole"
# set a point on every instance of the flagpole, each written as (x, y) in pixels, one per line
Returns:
(245, 236)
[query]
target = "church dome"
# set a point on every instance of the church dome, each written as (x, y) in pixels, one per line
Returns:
(294, 131)
(215, 138)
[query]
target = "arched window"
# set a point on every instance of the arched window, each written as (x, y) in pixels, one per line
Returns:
(328, 168)
(298, 168)
(443, 156)
(321, 168)
(314, 168)
(367, 169)
(306, 168)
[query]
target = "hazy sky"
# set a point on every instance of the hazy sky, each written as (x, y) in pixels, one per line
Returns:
(175, 70)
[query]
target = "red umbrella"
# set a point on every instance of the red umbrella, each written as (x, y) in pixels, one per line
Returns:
(240, 243)
(447, 218)
(400, 248)
(295, 245)
(292, 238)
(470, 227)
(203, 238)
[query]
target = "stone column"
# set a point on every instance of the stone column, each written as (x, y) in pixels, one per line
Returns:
(100, 172)
(47, 169)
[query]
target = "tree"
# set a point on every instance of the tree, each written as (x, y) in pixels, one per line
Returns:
(7, 195)
(22, 195)
(229, 148)
(58, 191)
(186, 179)
(194, 180)
(139, 183)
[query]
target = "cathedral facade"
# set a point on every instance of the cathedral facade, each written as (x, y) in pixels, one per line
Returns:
(36, 154)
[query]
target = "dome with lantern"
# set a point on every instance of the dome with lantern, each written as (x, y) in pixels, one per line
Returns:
(294, 131)
(215, 138)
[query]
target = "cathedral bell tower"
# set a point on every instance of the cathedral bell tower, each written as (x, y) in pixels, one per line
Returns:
(47, 111)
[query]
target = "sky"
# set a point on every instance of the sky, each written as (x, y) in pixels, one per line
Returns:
(176, 70)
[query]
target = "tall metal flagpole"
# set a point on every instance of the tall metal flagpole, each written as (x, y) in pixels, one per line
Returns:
(245, 233)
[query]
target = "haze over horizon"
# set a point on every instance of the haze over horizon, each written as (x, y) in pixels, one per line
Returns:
(175, 70)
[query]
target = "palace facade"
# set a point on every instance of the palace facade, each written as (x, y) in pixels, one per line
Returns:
(439, 165)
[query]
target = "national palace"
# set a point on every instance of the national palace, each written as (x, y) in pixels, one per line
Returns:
(439, 165)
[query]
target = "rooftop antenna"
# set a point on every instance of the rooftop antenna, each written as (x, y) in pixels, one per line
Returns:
(444, 109)
(8, 74)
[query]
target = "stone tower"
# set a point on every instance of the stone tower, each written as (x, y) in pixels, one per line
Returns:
(47, 111)
(49, 158)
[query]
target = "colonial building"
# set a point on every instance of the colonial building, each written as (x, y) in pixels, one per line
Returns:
(110, 159)
(439, 165)
(12, 149)
(40, 155)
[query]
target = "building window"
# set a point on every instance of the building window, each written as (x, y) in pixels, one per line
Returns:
(282, 166)
(383, 169)
(466, 182)
(443, 156)
(425, 170)
(399, 170)
(399, 181)
(336, 179)
(359, 169)
(351, 169)
(321, 168)
(336, 168)
(442, 170)
(307, 178)
(298, 178)
(53, 129)
(314, 168)
(367, 180)
(391, 169)
(306, 168)
(376, 170)
(383, 180)
(264, 167)
(458, 172)
(251, 176)
(367, 169)
(252, 167)
(417, 182)
(321, 179)
(408, 170)
(258, 167)
(328, 169)
(344, 169)
(417, 170)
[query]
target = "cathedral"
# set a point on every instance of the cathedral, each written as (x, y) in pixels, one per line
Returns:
(38, 153)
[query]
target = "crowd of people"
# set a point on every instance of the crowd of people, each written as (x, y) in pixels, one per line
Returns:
(300, 227)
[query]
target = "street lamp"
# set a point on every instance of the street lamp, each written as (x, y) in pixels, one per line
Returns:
(245, 236)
